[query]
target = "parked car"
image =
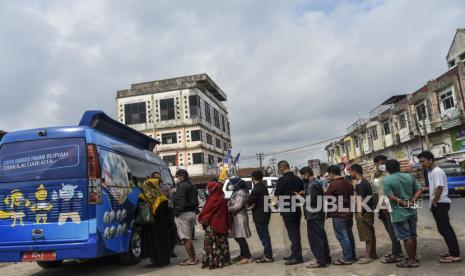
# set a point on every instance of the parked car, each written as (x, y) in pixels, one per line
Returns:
(270, 183)
(455, 176)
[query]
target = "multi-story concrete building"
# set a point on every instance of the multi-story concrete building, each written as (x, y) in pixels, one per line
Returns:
(432, 117)
(186, 114)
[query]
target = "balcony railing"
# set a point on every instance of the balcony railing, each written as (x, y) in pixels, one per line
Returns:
(378, 110)
(357, 124)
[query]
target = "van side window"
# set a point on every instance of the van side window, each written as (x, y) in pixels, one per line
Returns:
(167, 177)
(122, 171)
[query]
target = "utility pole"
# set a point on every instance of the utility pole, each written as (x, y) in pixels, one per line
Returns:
(425, 129)
(273, 165)
(260, 157)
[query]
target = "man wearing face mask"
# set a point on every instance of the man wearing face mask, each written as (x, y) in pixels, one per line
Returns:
(186, 204)
(288, 187)
(377, 177)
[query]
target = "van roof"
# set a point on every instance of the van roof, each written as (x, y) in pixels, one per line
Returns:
(52, 132)
(95, 120)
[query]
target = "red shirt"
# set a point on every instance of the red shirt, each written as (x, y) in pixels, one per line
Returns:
(342, 190)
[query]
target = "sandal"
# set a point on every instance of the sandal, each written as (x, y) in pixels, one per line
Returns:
(407, 265)
(264, 260)
(189, 263)
(341, 262)
(315, 265)
(450, 260)
(391, 260)
(245, 261)
(365, 261)
(444, 255)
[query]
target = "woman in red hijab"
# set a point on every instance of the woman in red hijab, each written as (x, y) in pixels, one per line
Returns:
(216, 222)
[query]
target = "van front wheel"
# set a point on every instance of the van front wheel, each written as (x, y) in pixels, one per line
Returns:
(134, 253)
(48, 265)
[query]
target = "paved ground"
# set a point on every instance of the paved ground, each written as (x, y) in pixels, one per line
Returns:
(430, 244)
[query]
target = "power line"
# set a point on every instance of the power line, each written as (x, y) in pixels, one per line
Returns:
(248, 157)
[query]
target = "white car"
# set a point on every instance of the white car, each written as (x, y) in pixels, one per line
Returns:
(270, 184)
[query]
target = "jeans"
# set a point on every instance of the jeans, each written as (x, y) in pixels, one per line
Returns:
(292, 224)
(244, 247)
(318, 241)
(264, 235)
(441, 216)
(343, 231)
(396, 249)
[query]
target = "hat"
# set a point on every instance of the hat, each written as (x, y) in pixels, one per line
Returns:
(182, 172)
(41, 187)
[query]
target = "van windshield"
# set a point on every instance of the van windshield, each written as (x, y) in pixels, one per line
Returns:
(43, 159)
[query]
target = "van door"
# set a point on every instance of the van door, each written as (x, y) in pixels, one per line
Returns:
(43, 192)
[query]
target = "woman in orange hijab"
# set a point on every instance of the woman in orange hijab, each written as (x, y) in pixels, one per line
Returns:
(156, 236)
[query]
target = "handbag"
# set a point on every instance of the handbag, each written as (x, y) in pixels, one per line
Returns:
(144, 215)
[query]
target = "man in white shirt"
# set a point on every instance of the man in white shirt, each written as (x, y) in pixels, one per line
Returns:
(440, 205)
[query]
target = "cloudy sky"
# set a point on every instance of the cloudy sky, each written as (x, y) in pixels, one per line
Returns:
(296, 72)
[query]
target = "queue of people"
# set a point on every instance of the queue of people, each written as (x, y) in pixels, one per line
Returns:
(389, 193)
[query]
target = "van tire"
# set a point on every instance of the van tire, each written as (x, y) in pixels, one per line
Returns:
(49, 265)
(134, 253)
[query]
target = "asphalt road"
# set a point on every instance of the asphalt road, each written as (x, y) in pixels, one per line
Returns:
(430, 244)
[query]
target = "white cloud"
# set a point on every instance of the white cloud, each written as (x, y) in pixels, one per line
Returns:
(302, 70)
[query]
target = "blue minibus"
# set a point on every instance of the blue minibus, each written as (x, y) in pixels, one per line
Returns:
(72, 192)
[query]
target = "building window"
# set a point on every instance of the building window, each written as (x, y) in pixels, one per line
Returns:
(196, 135)
(167, 109)
(225, 146)
(220, 160)
(216, 117)
(211, 160)
(402, 121)
(170, 160)
(208, 115)
(223, 122)
(374, 134)
(421, 112)
(197, 158)
(447, 100)
(452, 63)
(387, 128)
(194, 106)
(357, 144)
(169, 138)
(209, 139)
(135, 113)
(229, 128)
(218, 143)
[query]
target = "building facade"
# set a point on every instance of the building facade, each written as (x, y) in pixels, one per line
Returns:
(186, 114)
(430, 118)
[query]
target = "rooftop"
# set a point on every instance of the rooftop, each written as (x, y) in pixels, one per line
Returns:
(201, 81)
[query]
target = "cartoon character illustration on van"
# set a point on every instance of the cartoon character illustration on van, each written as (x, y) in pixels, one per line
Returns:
(115, 176)
(16, 204)
(41, 206)
(70, 202)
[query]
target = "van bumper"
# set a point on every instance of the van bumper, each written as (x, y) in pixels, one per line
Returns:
(64, 251)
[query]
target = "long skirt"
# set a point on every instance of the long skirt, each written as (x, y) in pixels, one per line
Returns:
(156, 243)
(216, 250)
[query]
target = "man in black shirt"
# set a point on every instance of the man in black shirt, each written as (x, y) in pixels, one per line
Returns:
(289, 186)
(261, 216)
(364, 214)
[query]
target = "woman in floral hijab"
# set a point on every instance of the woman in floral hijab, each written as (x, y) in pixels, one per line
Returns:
(156, 236)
